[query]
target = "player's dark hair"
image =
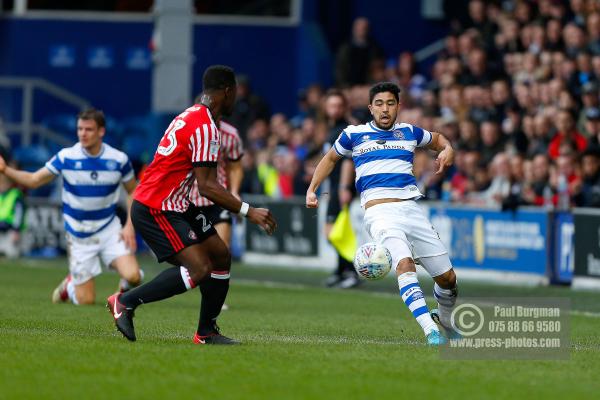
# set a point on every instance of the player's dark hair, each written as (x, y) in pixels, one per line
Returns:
(217, 77)
(93, 114)
(382, 87)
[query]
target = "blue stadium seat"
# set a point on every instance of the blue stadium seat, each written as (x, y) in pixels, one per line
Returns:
(65, 124)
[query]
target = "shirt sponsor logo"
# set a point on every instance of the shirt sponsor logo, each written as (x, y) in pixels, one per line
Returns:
(398, 134)
(381, 147)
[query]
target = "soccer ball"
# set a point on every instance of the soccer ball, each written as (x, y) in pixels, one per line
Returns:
(372, 261)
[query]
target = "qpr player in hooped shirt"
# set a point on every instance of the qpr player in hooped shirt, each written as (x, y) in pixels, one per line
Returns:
(383, 151)
(92, 173)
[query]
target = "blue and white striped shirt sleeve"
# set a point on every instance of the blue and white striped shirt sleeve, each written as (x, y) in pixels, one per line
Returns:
(127, 171)
(55, 164)
(343, 145)
(423, 137)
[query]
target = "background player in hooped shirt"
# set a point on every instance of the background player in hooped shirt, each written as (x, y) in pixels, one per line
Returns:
(186, 154)
(229, 175)
(382, 151)
(92, 172)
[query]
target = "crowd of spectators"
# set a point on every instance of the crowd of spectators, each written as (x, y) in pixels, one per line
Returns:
(515, 89)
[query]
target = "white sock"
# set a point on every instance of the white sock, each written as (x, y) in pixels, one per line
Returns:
(412, 295)
(446, 299)
(185, 276)
(71, 292)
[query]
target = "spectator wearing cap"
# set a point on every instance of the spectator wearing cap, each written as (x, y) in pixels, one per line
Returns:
(567, 131)
(589, 193)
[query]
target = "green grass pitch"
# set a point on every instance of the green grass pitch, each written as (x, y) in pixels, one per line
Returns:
(300, 341)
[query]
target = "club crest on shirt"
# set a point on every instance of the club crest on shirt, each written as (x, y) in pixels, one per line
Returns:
(214, 147)
(192, 235)
(398, 134)
(111, 165)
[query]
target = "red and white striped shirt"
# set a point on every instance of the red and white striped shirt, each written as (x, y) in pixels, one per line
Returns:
(231, 149)
(191, 140)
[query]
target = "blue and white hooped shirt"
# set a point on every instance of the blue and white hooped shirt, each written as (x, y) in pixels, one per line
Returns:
(90, 186)
(383, 159)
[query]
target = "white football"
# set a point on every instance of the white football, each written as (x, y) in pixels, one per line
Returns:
(372, 261)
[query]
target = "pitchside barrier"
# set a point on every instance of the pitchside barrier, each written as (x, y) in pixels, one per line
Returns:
(529, 246)
(586, 225)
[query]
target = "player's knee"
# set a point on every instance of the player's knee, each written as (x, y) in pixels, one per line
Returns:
(200, 271)
(223, 261)
(134, 278)
(405, 265)
(447, 280)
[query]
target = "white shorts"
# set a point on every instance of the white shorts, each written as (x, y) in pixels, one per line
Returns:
(404, 229)
(85, 253)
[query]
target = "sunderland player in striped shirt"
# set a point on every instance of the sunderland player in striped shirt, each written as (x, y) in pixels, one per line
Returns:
(186, 155)
(92, 173)
(382, 151)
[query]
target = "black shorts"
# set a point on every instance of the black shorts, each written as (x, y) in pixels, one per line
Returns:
(168, 232)
(215, 214)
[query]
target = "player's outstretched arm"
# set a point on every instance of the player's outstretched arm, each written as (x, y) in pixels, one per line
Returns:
(322, 171)
(31, 180)
(445, 151)
(212, 190)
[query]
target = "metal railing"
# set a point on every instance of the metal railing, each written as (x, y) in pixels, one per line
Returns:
(26, 126)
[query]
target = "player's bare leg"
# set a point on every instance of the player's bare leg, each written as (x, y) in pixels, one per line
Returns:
(85, 293)
(82, 294)
(412, 295)
(128, 268)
